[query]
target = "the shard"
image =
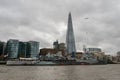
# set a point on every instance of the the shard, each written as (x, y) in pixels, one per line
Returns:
(70, 40)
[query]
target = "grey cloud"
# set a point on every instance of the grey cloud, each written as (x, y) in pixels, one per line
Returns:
(46, 21)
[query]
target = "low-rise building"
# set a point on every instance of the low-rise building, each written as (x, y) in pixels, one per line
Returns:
(93, 50)
(79, 55)
(45, 51)
(118, 56)
(96, 52)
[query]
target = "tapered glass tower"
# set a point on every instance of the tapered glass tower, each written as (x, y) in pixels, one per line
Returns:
(70, 40)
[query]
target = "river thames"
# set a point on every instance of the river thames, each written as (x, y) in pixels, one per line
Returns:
(74, 72)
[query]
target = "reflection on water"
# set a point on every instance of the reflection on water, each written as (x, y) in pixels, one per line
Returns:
(75, 72)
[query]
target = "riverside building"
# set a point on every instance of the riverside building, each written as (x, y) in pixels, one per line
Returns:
(12, 48)
(16, 49)
(70, 40)
(22, 49)
(32, 49)
(2, 47)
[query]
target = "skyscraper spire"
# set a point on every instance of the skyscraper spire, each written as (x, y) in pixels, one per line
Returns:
(70, 40)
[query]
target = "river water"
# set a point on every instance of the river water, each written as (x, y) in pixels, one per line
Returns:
(74, 72)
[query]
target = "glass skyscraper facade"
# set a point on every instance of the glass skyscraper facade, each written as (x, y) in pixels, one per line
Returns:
(32, 49)
(2, 47)
(16, 49)
(70, 40)
(22, 49)
(12, 48)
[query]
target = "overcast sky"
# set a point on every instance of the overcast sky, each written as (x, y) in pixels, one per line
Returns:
(96, 23)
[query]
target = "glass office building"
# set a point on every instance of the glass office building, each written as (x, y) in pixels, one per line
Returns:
(70, 40)
(12, 48)
(22, 49)
(32, 49)
(2, 47)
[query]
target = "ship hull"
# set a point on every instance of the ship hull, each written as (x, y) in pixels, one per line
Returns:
(47, 63)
